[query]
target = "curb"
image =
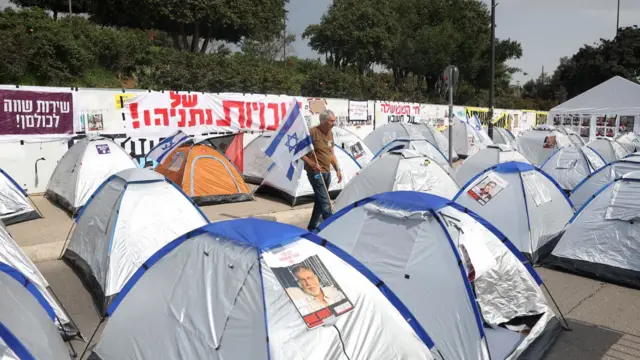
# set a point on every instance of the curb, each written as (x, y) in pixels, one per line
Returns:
(51, 251)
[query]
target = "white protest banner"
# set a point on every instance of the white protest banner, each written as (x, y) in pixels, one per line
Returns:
(358, 110)
(391, 112)
(163, 113)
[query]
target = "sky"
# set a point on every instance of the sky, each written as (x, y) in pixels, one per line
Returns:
(547, 29)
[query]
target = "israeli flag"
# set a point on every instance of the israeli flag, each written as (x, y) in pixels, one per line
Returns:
(291, 141)
(165, 147)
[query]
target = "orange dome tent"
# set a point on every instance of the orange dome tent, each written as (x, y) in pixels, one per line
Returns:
(205, 174)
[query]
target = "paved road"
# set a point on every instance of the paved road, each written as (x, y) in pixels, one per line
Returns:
(605, 319)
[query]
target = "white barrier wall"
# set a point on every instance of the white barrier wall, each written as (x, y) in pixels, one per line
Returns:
(38, 124)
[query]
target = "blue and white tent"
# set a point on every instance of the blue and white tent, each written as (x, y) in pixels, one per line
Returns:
(601, 240)
(468, 136)
(27, 321)
(570, 165)
(608, 149)
(463, 280)
(420, 146)
(383, 135)
(250, 289)
(14, 202)
(486, 158)
(130, 216)
(588, 187)
(524, 202)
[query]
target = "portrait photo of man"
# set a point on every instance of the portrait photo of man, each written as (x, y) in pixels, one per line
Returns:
(310, 296)
(487, 188)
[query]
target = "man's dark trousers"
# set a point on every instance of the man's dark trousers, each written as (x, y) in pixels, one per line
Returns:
(322, 205)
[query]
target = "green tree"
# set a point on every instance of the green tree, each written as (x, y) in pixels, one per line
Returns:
(56, 6)
(272, 48)
(193, 24)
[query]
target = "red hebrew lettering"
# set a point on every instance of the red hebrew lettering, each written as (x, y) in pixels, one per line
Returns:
(249, 113)
(175, 99)
(263, 122)
(133, 108)
(189, 100)
(164, 120)
(173, 112)
(193, 113)
(227, 105)
(276, 115)
(416, 109)
(183, 118)
(147, 118)
(209, 113)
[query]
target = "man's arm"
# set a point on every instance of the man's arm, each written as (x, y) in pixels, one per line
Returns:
(311, 163)
(334, 163)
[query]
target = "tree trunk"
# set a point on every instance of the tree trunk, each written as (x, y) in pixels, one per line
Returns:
(205, 44)
(176, 41)
(195, 40)
(55, 15)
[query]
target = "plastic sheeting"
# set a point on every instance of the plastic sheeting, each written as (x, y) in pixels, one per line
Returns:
(126, 223)
(232, 293)
(28, 322)
(84, 167)
(589, 186)
(420, 251)
(602, 240)
(12, 255)
(403, 170)
(484, 159)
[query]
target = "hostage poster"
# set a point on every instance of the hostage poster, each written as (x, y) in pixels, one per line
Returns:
(487, 188)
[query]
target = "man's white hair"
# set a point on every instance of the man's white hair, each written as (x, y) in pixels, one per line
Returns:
(325, 115)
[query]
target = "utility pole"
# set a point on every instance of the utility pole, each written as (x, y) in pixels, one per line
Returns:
(284, 42)
(618, 19)
(70, 9)
(493, 68)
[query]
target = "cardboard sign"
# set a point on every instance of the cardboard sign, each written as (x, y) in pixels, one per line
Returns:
(308, 283)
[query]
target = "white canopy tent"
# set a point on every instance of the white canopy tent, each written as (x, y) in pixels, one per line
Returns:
(616, 97)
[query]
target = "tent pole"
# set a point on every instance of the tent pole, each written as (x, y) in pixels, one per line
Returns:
(35, 206)
(566, 324)
(55, 296)
(74, 354)
(66, 240)
(92, 336)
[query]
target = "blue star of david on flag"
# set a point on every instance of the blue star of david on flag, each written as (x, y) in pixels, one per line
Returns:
(286, 151)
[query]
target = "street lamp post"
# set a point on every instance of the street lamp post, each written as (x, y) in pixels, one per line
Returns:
(493, 69)
(618, 19)
(70, 11)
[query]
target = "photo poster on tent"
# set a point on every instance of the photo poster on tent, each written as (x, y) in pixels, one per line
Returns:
(308, 283)
(550, 142)
(536, 188)
(487, 188)
(176, 161)
(103, 149)
(356, 150)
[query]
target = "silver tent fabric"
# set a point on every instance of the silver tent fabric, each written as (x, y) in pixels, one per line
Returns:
(502, 136)
(570, 165)
(85, 166)
(380, 137)
(629, 141)
(484, 159)
(609, 150)
(589, 186)
(215, 297)
(404, 170)
(467, 140)
(420, 260)
(353, 145)
(531, 145)
(28, 321)
(134, 214)
(616, 96)
(12, 255)
(531, 210)
(575, 138)
(14, 203)
(420, 146)
(603, 240)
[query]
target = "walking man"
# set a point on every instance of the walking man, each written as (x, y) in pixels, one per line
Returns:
(318, 165)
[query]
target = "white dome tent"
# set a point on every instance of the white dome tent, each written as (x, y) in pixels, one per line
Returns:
(540, 143)
(601, 177)
(382, 136)
(434, 245)
(601, 240)
(14, 202)
(570, 165)
(467, 139)
(258, 169)
(609, 150)
(247, 303)
(420, 146)
(130, 216)
(353, 145)
(502, 136)
(575, 138)
(629, 141)
(398, 170)
(27, 329)
(486, 158)
(83, 168)
(523, 202)
(12, 255)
